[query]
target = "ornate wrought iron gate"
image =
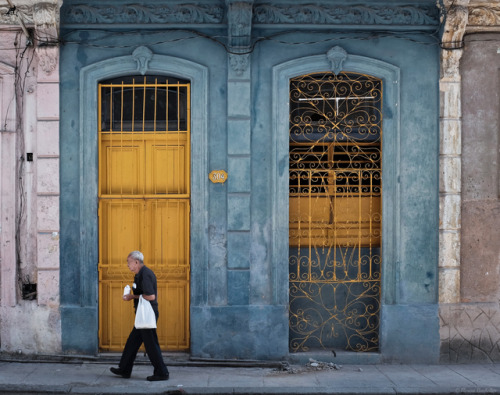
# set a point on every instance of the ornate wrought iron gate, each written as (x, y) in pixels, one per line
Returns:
(335, 211)
(144, 202)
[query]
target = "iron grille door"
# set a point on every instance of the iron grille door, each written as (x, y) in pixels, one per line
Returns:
(335, 211)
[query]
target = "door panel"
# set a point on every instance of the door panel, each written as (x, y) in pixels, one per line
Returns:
(122, 171)
(144, 204)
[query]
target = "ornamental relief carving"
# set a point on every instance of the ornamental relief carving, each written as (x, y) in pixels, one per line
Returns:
(484, 16)
(138, 13)
(43, 13)
(48, 58)
(262, 14)
(347, 15)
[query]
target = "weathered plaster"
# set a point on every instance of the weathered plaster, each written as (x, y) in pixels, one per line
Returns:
(30, 328)
(470, 254)
(7, 186)
(30, 188)
(481, 205)
(470, 333)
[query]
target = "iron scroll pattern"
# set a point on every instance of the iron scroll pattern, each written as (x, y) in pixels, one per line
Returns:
(335, 193)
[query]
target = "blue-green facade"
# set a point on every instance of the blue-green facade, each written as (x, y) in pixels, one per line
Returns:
(239, 57)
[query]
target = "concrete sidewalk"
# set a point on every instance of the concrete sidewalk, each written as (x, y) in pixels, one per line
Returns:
(94, 377)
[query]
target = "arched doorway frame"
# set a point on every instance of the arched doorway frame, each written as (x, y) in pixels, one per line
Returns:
(80, 322)
(391, 252)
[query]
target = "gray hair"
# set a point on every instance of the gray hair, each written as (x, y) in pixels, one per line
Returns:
(137, 255)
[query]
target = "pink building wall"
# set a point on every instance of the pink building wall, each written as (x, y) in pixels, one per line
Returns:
(29, 189)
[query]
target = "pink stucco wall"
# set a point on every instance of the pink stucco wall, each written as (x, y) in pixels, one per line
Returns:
(29, 196)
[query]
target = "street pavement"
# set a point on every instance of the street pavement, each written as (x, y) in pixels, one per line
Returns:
(81, 376)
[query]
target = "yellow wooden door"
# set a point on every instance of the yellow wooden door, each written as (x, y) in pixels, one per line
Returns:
(144, 203)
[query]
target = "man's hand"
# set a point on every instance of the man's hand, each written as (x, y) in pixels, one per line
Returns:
(129, 297)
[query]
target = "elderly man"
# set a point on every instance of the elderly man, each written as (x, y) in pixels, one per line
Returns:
(145, 285)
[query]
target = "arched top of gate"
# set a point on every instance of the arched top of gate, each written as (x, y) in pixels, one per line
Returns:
(336, 60)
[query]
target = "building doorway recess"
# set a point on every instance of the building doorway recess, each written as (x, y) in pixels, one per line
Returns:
(335, 211)
(144, 202)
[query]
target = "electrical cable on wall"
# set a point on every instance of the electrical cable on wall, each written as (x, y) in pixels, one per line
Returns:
(23, 60)
(14, 11)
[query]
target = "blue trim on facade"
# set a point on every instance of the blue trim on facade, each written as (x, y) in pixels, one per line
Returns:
(239, 230)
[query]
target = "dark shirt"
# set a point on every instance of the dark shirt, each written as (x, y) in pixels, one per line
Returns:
(145, 283)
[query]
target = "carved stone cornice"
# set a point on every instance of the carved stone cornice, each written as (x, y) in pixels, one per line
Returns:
(44, 17)
(484, 16)
(452, 39)
(33, 13)
(263, 13)
(456, 21)
(187, 13)
(345, 15)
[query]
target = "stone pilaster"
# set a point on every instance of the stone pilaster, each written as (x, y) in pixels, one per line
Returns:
(238, 155)
(450, 152)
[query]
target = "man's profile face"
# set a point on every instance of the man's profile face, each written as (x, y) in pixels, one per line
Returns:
(133, 264)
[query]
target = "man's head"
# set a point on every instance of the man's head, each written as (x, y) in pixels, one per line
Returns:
(135, 260)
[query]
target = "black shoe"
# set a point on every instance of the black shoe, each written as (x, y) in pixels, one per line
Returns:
(158, 378)
(119, 372)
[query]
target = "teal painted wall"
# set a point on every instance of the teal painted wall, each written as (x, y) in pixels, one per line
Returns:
(239, 230)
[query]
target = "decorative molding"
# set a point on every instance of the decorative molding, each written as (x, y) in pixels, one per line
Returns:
(142, 55)
(239, 63)
(337, 56)
(137, 13)
(48, 58)
(42, 13)
(7, 18)
(239, 20)
(452, 39)
(345, 15)
(486, 15)
(45, 14)
(238, 11)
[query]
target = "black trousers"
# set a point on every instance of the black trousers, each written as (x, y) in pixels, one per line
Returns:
(134, 342)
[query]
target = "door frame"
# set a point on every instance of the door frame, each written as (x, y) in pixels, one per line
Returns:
(79, 321)
(391, 248)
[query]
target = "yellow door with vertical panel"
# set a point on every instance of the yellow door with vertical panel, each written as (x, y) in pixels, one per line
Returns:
(144, 203)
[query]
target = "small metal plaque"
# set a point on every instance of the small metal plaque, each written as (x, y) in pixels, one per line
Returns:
(218, 176)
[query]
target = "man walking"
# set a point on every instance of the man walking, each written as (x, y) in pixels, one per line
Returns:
(145, 285)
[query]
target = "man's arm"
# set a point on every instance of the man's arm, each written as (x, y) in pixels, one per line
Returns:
(132, 296)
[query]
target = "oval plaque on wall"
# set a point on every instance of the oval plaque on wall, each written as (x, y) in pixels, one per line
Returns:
(218, 176)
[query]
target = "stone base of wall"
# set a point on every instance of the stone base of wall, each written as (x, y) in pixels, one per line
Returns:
(470, 333)
(30, 328)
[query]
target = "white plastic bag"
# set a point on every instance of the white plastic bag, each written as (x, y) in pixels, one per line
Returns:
(144, 316)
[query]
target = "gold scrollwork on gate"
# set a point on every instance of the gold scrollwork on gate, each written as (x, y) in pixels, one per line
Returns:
(335, 192)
